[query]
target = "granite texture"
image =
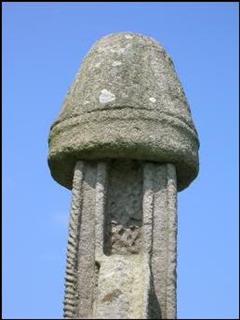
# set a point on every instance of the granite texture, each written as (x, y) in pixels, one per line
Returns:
(124, 207)
(125, 143)
(80, 269)
(127, 272)
(126, 101)
(164, 236)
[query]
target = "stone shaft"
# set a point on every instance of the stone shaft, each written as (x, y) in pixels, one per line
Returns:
(121, 256)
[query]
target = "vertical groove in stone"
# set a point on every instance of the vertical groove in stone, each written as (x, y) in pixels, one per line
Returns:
(163, 260)
(101, 190)
(172, 241)
(86, 245)
(70, 297)
(158, 259)
(148, 197)
(100, 225)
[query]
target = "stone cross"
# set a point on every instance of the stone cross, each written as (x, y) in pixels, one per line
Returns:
(124, 143)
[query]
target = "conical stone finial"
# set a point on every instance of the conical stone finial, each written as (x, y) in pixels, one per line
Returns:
(125, 102)
(125, 143)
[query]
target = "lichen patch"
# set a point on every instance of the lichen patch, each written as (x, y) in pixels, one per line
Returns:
(152, 99)
(116, 63)
(117, 50)
(106, 96)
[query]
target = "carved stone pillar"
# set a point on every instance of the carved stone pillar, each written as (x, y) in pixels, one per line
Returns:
(124, 143)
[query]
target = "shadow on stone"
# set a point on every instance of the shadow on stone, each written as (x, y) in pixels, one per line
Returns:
(154, 310)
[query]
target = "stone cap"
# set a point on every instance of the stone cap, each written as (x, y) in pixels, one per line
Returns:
(126, 101)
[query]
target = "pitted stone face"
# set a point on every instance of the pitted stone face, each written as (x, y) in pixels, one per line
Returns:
(125, 102)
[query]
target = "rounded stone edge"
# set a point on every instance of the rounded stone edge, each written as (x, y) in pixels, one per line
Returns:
(66, 163)
(66, 158)
(62, 158)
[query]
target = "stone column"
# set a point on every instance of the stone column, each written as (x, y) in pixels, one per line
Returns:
(124, 143)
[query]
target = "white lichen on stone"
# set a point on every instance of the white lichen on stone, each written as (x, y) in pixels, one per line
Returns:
(117, 50)
(121, 50)
(127, 36)
(97, 64)
(152, 99)
(106, 96)
(86, 102)
(116, 63)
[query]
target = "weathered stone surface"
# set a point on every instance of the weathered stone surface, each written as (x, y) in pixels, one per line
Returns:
(125, 102)
(80, 271)
(162, 180)
(120, 279)
(125, 143)
(124, 207)
(120, 287)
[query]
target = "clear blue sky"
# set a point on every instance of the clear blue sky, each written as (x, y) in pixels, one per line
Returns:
(43, 45)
